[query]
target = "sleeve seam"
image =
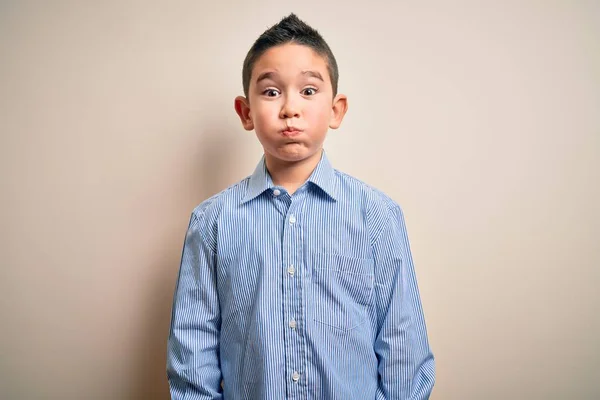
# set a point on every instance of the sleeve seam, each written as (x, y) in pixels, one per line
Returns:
(205, 241)
(390, 211)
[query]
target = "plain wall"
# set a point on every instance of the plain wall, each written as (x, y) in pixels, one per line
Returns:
(481, 118)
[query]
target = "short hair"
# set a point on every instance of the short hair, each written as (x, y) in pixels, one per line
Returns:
(290, 29)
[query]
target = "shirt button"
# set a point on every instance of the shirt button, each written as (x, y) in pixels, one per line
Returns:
(276, 192)
(291, 270)
(292, 219)
(295, 376)
(293, 324)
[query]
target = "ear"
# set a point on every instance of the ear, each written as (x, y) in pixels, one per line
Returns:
(338, 110)
(242, 108)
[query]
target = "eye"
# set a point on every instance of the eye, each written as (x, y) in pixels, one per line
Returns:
(309, 91)
(271, 92)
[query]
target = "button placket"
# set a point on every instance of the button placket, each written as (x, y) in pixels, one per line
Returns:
(293, 306)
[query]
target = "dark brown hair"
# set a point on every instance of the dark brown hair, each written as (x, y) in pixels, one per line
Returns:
(290, 29)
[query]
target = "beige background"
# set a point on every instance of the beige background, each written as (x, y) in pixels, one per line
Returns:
(482, 119)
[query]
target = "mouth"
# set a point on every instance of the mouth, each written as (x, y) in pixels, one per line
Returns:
(291, 131)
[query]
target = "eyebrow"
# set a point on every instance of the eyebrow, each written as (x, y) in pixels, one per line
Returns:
(265, 75)
(314, 74)
(271, 75)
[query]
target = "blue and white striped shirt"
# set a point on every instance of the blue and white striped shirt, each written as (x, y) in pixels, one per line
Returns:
(309, 296)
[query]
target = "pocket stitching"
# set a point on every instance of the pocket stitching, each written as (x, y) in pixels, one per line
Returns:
(353, 264)
(341, 329)
(358, 263)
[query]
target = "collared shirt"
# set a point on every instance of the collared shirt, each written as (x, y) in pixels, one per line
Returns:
(308, 296)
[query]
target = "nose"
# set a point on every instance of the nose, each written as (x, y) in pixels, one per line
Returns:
(290, 108)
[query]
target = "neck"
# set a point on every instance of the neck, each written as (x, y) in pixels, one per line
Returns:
(291, 174)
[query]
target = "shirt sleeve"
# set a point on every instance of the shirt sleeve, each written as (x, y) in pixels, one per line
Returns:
(406, 364)
(193, 368)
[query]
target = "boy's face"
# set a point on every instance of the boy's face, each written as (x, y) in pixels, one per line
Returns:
(290, 103)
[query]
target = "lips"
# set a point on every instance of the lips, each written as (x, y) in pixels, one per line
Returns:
(291, 131)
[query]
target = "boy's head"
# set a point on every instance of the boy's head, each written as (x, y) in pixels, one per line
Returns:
(290, 84)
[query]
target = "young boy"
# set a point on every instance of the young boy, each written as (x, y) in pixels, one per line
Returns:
(298, 281)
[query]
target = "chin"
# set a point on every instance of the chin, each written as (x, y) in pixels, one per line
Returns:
(292, 156)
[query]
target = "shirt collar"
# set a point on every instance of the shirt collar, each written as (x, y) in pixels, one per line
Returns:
(323, 177)
(260, 180)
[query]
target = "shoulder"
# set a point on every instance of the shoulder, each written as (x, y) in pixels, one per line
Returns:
(205, 215)
(372, 197)
(209, 210)
(380, 210)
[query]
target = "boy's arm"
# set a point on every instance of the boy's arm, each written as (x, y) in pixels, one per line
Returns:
(406, 364)
(193, 366)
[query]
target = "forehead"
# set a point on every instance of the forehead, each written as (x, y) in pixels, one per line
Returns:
(290, 59)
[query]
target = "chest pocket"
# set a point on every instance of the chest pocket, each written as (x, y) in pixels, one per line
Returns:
(342, 290)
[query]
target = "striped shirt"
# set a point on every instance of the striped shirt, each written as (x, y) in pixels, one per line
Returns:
(308, 296)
